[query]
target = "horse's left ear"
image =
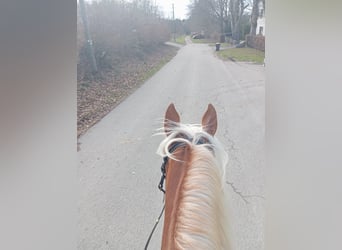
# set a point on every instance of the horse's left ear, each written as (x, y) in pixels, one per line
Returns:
(209, 120)
(171, 118)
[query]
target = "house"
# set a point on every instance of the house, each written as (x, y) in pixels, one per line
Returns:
(260, 30)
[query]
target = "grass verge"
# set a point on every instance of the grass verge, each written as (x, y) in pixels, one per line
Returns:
(242, 55)
(202, 40)
(222, 45)
(149, 73)
(180, 40)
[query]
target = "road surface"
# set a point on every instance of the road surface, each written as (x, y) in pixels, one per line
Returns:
(119, 169)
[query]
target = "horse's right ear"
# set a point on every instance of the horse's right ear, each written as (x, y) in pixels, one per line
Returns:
(209, 120)
(171, 118)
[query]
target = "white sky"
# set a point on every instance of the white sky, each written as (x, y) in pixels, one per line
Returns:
(180, 7)
(166, 6)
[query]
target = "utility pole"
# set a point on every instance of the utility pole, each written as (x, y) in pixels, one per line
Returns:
(174, 23)
(88, 37)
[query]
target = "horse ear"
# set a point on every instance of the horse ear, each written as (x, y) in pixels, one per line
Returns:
(209, 120)
(171, 118)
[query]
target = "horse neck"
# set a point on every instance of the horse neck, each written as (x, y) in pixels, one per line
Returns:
(176, 172)
(194, 209)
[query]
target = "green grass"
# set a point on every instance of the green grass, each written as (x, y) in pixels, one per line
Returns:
(180, 39)
(210, 42)
(201, 40)
(242, 55)
(222, 45)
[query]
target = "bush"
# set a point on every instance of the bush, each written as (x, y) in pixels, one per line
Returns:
(256, 42)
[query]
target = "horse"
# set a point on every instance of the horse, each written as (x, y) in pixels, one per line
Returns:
(196, 215)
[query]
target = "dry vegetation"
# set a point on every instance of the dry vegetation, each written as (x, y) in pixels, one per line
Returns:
(128, 41)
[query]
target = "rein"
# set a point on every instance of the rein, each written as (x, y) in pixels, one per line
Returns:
(162, 179)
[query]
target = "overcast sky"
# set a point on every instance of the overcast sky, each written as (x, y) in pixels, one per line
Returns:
(166, 6)
(180, 7)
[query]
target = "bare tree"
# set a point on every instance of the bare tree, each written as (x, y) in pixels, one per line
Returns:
(226, 13)
(202, 16)
(120, 30)
(236, 10)
(213, 11)
(254, 16)
(220, 10)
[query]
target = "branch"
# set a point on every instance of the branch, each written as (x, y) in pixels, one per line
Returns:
(213, 8)
(243, 7)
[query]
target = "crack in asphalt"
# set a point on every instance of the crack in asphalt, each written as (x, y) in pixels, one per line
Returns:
(243, 196)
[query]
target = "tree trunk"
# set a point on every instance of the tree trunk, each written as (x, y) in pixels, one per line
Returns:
(221, 25)
(234, 10)
(222, 35)
(236, 33)
(254, 17)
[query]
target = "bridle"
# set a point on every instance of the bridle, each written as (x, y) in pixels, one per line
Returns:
(165, 160)
(172, 149)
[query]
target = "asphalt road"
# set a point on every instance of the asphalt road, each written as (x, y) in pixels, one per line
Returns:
(119, 169)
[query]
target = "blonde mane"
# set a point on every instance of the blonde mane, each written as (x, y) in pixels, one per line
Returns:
(201, 221)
